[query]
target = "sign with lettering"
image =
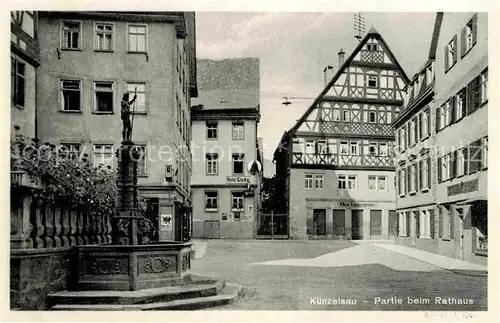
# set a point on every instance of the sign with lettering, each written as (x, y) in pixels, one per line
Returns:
(237, 179)
(166, 222)
(463, 187)
(348, 203)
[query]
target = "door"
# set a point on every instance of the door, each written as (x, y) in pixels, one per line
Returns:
(375, 224)
(152, 214)
(413, 234)
(357, 224)
(319, 222)
(339, 222)
(393, 223)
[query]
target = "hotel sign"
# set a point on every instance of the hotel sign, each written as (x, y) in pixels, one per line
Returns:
(355, 204)
(463, 187)
(237, 179)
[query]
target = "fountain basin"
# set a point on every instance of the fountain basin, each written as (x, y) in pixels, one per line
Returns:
(133, 267)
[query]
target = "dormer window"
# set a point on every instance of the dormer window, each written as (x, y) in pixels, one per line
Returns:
(430, 73)
(372, 47)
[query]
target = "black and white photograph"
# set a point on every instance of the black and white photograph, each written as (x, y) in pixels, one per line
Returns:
(249, 161)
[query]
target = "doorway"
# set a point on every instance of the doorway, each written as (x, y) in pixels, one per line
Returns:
(460, 217)
(375, 224)
(357, 224)
(319, 222)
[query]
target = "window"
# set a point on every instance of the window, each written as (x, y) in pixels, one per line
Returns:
(442, 117)
(346, 115)
(103, 155)
(71, 34)
(18, 84)
(321, 147)
(237, 201)
(447, 112)
(403, 138)
(142, 161)
(309, 146)
(424, 124)
(72, 151)
(70, 95)
(137, 38)
(238, 163)
(308, 181)
(450, 57)
(212, 164)
(332, 147)
(484, 87)
(445, 167)
(319, 181)
(351, 182)
(413, 179)
(103, 99)
(425, 224)
(372, 117)
(344, 148)
(372, 183)
(298, 145)
(140, 90)
(430, 73)
(104, 37)
(211, 201)
(342, 182)
(460, 162)
(384, 151)
(469, 35)
(401, 177)
(211, 130)
(372, 47)
(354, 148)
(412, 132)
(474, 95)
(372, 81)
(459, 105)
(485, 153)
(373, 149)
(238, 131)
(424, 175)
(382, 183)
(402, 224)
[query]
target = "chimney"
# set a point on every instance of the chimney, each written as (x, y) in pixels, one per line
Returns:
(341, 57)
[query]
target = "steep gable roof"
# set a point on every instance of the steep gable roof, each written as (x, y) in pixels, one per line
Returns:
(371, 33)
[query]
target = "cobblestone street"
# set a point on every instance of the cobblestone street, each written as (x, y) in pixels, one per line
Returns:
(304, 280)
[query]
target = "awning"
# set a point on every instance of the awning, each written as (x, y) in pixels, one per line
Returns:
(473, 200)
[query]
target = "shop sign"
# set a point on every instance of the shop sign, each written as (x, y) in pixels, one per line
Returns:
(354, 204)
(237, 179)
(463, 187)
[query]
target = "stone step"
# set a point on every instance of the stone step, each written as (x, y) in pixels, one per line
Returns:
(146, 296)
(227, 295)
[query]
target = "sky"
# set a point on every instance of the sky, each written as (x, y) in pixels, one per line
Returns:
(294, 48)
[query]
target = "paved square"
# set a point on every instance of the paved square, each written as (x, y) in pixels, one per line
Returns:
(315, 275)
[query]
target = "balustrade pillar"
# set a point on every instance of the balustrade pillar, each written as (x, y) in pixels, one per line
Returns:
(57, 226)
(49, 226)
(21, 227)
(99, 227)
(65, 228)
(86, 227)
(79, 228)
(39, 227)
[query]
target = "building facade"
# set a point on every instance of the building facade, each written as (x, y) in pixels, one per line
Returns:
(225, 192)
(446, 211)
(335, 166)
(25, 59)
(89, 60)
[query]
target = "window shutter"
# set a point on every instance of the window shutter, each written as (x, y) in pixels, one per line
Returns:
(446, 62)
(451, 219)
(462, 41)
(432, 224)
(454, 157)
(408, 143)
(464, 102)
(438, 118)
(417, 224)
(429, 172)
(440, 165)
(453, 108)
(474, 156)
(397, 225)
(455, 49)
(441, 218)
(415, 177)
(417, 128)
(408, 222)
(420, 167)
(474, 95)
(474, 28)
(466, 160)
(429, 131)
(407, 180)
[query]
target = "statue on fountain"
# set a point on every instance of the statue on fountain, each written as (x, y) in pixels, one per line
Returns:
(127, 125)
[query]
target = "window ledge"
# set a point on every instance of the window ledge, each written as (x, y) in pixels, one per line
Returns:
(103, 112)
(142, 176)
(136, 52)
(211, 210)
(403, 235)
(71, 49)
(425, 190)
(138, 113)
(17, 106)
(70, 111)
(426, 238)
(483, 253)
(412, 193)
(446, 239)
(401, 195)
(483, 104)
(104, 50)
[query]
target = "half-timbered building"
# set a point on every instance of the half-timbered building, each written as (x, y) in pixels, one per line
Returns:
(335, 166)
